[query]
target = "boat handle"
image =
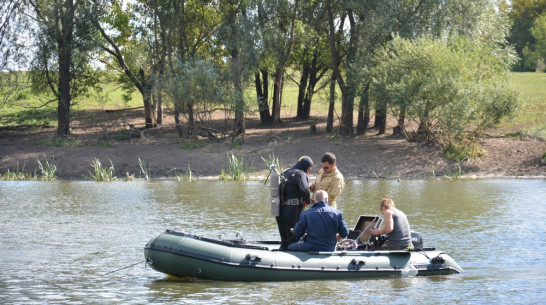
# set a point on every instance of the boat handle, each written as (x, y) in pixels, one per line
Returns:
(252, 257)
(358, 262)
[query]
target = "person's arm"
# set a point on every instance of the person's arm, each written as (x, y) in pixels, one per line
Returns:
(300, 227)
(389, 224)
(336, 188)
(303, 186)
(342, 230)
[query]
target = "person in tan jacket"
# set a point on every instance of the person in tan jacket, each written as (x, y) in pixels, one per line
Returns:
(329, 179)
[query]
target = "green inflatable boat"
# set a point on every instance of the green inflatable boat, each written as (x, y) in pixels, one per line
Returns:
(186, 255)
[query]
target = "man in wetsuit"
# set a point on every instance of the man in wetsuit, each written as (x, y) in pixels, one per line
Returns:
(295, 194)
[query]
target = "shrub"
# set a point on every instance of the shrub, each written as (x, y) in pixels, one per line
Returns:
(449, 90)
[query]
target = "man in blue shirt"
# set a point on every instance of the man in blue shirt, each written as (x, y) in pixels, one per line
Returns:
(321, 224)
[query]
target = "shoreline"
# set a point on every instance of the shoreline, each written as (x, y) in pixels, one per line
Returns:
(165, 156)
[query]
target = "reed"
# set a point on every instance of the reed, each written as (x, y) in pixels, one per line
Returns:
(47, 171)
(188, 176)
(235, 170)
(102, 173)
(144, 170)
(18, 174)
(273, 160)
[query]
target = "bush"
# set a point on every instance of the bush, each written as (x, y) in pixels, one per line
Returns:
(449, 90)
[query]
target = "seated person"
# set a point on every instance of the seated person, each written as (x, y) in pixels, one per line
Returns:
(321, 224)
(396, 227)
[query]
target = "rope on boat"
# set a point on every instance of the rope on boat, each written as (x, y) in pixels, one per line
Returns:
(125, 267)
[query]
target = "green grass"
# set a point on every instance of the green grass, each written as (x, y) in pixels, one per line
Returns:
(532, 86)
(531, 116)
(26, 110)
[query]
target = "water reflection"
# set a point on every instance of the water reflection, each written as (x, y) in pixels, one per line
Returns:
(59, 241)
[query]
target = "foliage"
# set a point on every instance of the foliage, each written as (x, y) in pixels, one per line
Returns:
(47, 170)
(195, 90)
(522, 17)
(450, 89)
(192, 144)
(534, 55)
(61, 65)
(18, 173)
(537, 132)
(273, 160)
(146, 171)
(101, 173)
(235, 170)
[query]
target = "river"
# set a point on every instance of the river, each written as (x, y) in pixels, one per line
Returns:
(81, 242)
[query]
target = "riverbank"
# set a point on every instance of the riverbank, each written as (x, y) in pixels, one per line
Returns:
(164, 154)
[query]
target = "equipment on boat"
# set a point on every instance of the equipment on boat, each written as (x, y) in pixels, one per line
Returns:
(187, 255)
(274, 189)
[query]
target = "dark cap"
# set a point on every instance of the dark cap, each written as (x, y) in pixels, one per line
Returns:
(305, 162)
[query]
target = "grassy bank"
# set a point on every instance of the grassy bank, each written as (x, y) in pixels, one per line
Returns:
(33, 111)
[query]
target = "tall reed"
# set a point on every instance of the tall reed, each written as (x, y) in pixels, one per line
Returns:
(235, 170)
(273, 160)
(18, 174)
(101, 173)
(47, 171)
(145, 170)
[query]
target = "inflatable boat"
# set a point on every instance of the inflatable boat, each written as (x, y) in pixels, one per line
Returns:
(187, 255)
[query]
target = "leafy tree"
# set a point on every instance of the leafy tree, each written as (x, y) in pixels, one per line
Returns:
(61, 62)
(134, 39)
(450, 89)
(523, 15)
(536, 54)
(10, 24)
(196, 89)
(276, 23)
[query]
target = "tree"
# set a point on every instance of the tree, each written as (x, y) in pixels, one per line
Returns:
(196, 89)
(61, 63)
(452, 88)
(522, 16)
(276, 22)
(11, 25)
(311, 55)
(536, 54)
(138, 50)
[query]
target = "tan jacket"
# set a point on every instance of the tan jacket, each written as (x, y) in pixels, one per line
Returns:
(333, 183)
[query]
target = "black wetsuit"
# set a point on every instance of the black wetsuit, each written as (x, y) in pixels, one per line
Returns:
(297, 188)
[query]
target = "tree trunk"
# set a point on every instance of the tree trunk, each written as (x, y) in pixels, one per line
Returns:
(401, 122)
(363, 111)
(330, 119)
(63, 107)
(381, 116)
(302, 90)
(237, 76)
(347, 91)
(65, 60)
(179, 127)
(157, 98)
(261, 96)
(277, 96)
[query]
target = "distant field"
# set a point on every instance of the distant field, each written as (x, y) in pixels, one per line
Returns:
(533, 87)
(27, 111)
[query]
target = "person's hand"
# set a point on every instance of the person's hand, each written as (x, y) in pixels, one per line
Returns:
(374, 231)
(312, 187)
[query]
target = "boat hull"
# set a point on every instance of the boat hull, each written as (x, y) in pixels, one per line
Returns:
(185, 255)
